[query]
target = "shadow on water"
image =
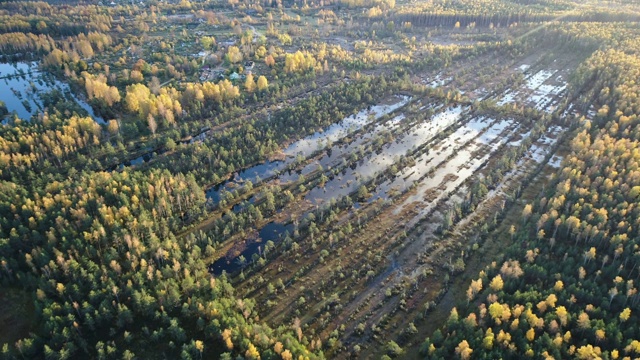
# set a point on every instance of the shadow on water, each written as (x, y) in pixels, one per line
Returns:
(236, 260)
(253, 174)
(151, 153)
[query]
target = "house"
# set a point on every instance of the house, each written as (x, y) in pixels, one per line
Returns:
(234, 76)
(209, 74)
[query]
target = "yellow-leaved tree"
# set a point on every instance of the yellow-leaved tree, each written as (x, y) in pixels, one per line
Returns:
(497, 283)
(263, 84)
(463, 350)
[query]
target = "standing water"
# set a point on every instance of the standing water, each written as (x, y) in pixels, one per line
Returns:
(234, 260)
(306, 146)
(231, 263)
(21, 84)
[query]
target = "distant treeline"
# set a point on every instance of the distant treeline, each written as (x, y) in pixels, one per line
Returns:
(41, 18)
(485, 20)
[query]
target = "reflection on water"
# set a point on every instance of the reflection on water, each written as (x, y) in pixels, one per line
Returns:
(236, 258)
(273, 231)
(21, 84)
(304, 148)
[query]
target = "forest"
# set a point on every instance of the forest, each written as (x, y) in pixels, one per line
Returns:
(339, 179)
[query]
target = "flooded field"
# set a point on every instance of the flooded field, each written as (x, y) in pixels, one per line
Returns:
(319, 180)
(378, 202)
(305, 147)
(21, 87)
(416, 166)
(541, 90)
